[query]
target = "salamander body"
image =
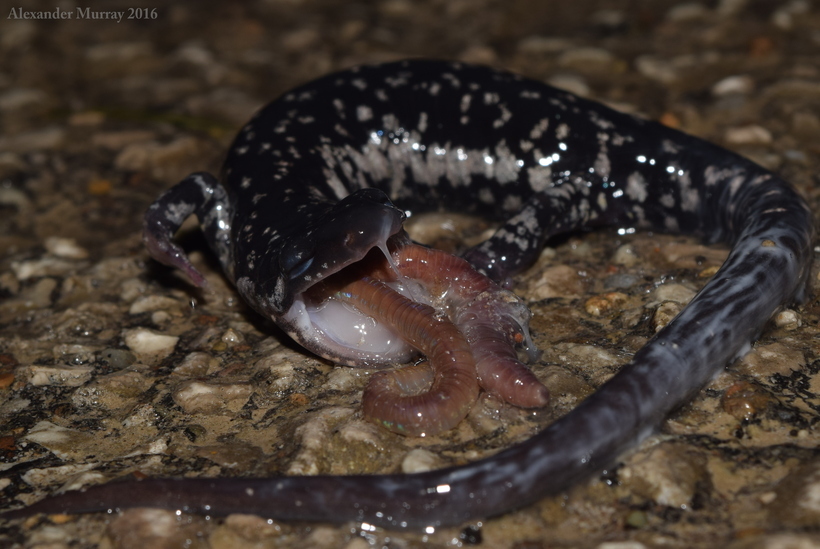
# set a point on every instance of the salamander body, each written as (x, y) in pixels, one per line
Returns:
(327, 172)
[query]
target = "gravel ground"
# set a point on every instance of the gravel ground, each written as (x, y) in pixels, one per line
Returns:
(111, 365)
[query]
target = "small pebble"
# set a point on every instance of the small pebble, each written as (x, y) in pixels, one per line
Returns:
(161, 160)
(74, 354)
(586, 60)
(604, 303)
(419, 460)
(232, 337)
(197, 364)
(147, 343)
(673, 292)
(689, 11)
(34, 140)
(571, 83)
(151, 303)
(740, 84)
(620, 281)
(47, 266)
(544, 45)
(196, 397)
(625, 255)
(63, 442)
(665, 475)
(748, 135)
(788, 319)
(557, 281)
(637, 519)
(621, 545)
(744, 400)
(118, 358)
(64, 376)
(66, 248)
(656, 68)
(22, 99)
(664, 314)
(116, 140)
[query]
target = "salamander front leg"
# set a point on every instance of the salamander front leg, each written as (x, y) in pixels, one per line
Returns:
(201, 194)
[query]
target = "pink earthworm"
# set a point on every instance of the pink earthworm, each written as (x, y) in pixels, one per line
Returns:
(454, 387)
(492, 319)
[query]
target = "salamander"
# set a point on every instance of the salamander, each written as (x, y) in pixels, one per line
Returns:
(324, 175)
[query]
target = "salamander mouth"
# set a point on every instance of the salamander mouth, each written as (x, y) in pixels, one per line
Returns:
(342, 332)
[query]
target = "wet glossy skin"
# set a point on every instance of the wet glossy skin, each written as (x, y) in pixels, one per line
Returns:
(434, 135)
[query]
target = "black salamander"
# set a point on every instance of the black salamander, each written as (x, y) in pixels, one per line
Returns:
(309, 185)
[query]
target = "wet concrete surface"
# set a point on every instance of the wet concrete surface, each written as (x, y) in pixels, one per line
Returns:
(111, 365)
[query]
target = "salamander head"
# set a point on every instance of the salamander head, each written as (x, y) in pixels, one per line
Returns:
(352, 239)
(344, 235)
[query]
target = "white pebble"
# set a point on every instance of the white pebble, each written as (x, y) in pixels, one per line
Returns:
(65, 247)
(146, 342)
(152, 303)
(656, 68)
(748, 135)
(673, 292)
(419, 460)
(788, 320)
(737, 84)
(687, 12)
(197, 397)
(63, 376)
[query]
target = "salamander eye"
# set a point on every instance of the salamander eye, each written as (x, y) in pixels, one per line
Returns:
(374, 195)
(294, 263)
(300, 269)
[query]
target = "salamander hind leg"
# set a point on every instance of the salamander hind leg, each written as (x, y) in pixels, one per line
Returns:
(199, 194)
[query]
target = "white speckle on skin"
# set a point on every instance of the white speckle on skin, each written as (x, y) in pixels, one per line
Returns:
(485, 195)
(177, 212)
(669, 147)
(422, 124)
(602, 165)
(506, 165)
(454, 81)
(600, 122)
(689, 196)
(364, 113)
(539, 177)
(636, 187)
(539, 129)
(505, 117)
(512, 203)
(491, 98)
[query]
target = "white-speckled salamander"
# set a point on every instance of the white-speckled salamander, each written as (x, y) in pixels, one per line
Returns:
(309, 186)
